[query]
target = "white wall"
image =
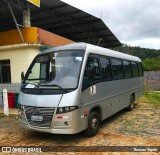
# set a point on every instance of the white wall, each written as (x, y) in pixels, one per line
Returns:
(20, 58)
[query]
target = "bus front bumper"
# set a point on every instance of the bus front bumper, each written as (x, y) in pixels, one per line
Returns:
(50, 130)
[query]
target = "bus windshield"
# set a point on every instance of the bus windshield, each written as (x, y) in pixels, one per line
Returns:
(56, 69)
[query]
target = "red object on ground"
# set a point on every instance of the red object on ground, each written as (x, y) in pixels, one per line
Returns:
(11, 100)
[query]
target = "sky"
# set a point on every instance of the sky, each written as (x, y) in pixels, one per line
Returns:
(134, 22)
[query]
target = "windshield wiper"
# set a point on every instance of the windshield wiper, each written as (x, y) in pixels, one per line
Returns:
(53, 85)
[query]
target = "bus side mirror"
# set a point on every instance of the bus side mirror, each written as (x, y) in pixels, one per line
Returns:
(22, 76)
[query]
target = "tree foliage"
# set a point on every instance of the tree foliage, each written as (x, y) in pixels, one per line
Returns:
(151, 64)
(150, 57)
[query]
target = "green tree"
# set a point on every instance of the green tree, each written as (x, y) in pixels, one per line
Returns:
(151, 64)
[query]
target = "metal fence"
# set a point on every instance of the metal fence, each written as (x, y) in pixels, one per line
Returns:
(152, 81)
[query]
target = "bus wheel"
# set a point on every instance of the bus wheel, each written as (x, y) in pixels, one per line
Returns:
(93, 124)
(131, 105)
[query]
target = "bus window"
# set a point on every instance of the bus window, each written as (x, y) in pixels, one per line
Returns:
(117, 69)
(140, 69)
(105, 68)
(134, 69)
(38, 72)
(127, 69)
(92, 71)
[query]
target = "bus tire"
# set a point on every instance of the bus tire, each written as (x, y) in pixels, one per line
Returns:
(93, 124)
(131, 104)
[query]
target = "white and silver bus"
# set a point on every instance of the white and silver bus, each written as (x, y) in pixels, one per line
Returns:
(72, 88)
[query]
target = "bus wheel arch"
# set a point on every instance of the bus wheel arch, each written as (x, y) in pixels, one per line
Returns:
(98, 110)
(93, 122)
(131, 102)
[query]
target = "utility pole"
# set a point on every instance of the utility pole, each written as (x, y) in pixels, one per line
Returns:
(26, 15)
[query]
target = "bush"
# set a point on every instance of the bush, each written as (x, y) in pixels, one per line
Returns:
(151, 64)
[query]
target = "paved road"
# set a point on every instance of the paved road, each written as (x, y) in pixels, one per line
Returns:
(137, 128)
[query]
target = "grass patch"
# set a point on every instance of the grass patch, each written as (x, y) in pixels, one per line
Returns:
(152, 98)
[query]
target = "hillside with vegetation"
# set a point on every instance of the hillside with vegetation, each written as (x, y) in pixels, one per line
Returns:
(150, 57)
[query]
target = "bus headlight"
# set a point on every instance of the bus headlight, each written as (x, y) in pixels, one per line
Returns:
(66, 109)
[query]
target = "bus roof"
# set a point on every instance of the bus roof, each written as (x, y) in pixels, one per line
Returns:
(95, 50)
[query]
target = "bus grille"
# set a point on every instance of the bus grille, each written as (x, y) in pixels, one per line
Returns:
(46, 113)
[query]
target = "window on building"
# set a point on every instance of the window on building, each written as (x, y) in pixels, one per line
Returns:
(105, 68)
(117, 69)
(127, 69)
(5, 71)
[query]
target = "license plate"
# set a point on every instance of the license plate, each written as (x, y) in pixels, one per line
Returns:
(37, 118)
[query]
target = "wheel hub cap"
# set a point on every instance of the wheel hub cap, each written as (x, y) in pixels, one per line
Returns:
(94, 123)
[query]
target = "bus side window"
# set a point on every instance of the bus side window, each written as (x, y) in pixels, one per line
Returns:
(135, 69)
(117, 69)
(127, 69)
(140, 69)
(92, 71)
(105, 68)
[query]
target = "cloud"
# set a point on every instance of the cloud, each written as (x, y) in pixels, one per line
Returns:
(153, 43)
(132, 21)
(133, 17)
